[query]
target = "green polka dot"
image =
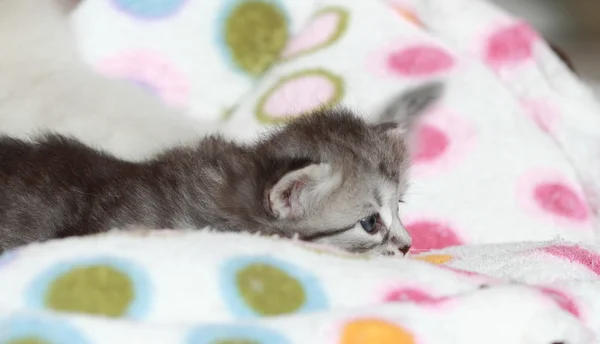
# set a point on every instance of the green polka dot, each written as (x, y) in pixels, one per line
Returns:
(255, 32)
(96, 289)
(235, 341)
(28, 340)
(300, 83)
(269, 290)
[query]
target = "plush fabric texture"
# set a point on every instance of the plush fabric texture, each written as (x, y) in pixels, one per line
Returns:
(509, 154)
(205, 287)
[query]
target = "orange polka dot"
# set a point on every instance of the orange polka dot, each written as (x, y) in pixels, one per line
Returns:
(375, 331)
(434, 258)
(408, 15)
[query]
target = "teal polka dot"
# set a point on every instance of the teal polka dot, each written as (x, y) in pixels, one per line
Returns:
(149, 9)
(254, 286)
(30, 329)
(234, 334)
(105, 286)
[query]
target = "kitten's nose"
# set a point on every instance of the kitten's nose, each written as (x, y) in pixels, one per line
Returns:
(404, 249)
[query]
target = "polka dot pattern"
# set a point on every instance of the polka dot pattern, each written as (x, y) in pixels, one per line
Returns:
(265, 286)
(378, 331)
(419, 61)
(37, 330)
(316, 68)
(441, 141)
(577, 255)
(408, 15)
(325, 28)
(234, 334)
(149, 9)
(564, 301)
(561, 200)
(400, 59)
(431, 144)
(102, 286)
(428, 234)
(300, 93)
(511, 45)
(413, 295)
(252, 33)
(434, 258)
(152, 72)
(550, 196)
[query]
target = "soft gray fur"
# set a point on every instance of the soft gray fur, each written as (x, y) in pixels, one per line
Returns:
(315, 178)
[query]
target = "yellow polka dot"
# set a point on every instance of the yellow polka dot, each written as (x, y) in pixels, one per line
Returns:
(375, 331)
(409, 16)
(269, 290)
(256, 33)
(28, 340)
(434, 258)
(96, 289)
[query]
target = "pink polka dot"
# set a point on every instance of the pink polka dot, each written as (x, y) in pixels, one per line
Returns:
(152, 72)
(563, 300)
(561, 200)
(542, 112)
(431, 143)
(311, 92)
(510, 45)
(320, 32)
(406, 59)
(576, 254)
(550, 196)
(442, 139)
(482, 278)
(429, 235)
(413, 295)
(419, 61)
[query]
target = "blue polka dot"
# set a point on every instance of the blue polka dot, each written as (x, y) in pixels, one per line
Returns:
(47, 329)
(150, 9)
(210, 334)
(315, 298)
(35, 293)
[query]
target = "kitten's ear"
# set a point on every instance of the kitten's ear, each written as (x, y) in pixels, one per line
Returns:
(405, 109)
(299, 191)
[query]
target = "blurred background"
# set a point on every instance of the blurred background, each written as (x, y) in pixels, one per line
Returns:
(572, 25)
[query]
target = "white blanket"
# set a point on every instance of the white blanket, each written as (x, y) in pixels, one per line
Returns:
(509, 155)
(201, 287)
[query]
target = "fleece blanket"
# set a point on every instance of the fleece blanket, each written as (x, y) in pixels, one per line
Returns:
(202, 287)
(509, 154)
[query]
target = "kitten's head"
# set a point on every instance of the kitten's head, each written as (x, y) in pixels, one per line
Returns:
(344, 177)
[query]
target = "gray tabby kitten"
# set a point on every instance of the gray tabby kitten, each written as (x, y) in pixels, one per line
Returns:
(330, 177)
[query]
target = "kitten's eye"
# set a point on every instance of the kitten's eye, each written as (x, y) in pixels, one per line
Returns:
(369, 224)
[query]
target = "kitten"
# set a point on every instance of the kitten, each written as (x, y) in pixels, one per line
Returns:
(330, 177)
(46, 86)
